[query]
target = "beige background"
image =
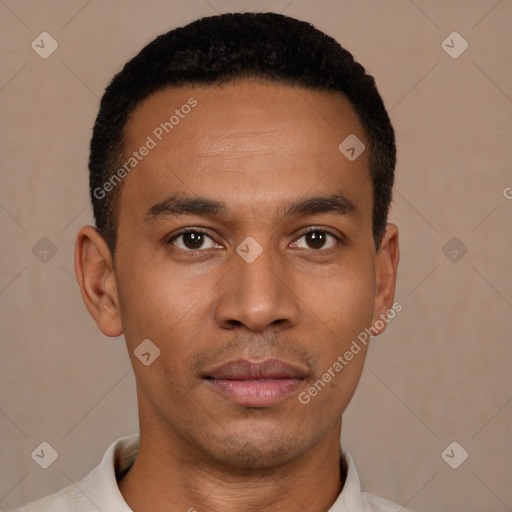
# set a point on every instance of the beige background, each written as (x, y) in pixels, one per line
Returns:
(440, 373)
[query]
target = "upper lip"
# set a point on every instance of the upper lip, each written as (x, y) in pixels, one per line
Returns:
(243, 369)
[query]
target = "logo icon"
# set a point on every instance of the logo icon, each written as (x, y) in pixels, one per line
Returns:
(454, 250)
(44, 250)
(146, 352)
(249, 249)
(45, 455)
(454, 455)
(351, 147)
(44, 45)
(454, 45)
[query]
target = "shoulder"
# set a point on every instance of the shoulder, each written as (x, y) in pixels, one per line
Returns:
(98, 490)
(353, 499)
(377, 504)
(69, 498)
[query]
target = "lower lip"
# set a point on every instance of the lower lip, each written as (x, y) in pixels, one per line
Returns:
(256, 393)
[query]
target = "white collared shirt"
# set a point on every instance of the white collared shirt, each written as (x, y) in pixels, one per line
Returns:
(99, 489)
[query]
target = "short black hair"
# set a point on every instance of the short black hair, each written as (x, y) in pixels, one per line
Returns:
(219, 49)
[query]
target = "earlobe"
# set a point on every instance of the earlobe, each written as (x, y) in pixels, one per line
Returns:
(386, 266)
(96, 278)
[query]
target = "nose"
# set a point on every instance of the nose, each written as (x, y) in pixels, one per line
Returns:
(257, 295)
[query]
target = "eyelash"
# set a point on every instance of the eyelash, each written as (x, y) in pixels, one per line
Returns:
(312, 229)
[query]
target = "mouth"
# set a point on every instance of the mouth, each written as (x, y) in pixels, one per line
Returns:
(256, 384)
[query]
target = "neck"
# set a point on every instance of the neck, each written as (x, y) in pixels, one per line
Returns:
(166, 478)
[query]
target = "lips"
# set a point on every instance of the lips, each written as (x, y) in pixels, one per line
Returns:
(255, 384)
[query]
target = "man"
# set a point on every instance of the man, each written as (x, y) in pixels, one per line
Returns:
(241, 171)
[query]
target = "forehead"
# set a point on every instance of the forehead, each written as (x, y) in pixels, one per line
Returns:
(226, 109)
(246, 140)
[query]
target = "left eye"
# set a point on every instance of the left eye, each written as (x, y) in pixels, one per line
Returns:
(193, 240)
(317, 239)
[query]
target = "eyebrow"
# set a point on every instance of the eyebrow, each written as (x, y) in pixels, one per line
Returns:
(179, 205)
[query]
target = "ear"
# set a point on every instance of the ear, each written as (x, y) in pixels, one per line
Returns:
(95, 273)
(386, 266)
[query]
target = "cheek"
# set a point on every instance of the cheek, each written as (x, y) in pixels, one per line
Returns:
(342, 308)
(157, 306)
(146, 299)
(163, 303)
(343, 299)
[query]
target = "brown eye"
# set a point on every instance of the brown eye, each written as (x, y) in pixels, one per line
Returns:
(316, 239)
(192, 240)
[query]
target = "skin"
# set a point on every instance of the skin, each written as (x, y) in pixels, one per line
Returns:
(256, 147)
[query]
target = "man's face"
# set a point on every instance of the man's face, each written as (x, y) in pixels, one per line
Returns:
(228, 323)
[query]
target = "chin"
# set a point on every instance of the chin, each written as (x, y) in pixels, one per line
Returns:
(243, 452)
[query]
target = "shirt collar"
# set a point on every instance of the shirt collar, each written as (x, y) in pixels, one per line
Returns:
(122, 454)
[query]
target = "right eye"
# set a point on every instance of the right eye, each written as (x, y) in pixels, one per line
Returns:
(192, 240)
